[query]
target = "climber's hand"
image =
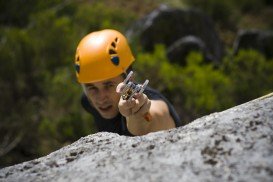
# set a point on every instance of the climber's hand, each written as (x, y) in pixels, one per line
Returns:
(137, 106)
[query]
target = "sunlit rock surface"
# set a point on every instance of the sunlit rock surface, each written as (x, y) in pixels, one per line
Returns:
(233, 145)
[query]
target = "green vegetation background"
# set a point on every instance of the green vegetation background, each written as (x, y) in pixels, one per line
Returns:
(39, 96)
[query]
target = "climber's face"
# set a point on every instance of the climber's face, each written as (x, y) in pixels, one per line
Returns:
(103, 96)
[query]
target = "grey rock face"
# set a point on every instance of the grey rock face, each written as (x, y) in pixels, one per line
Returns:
(180, 49)
(233, 145)
(255, 39)
(166, 25)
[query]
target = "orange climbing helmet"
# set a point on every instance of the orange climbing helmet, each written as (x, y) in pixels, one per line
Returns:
(102, 55)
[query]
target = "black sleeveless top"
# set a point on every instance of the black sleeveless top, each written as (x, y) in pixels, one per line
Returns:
(118, 123)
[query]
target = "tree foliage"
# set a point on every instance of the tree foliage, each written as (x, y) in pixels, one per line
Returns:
(40, 99)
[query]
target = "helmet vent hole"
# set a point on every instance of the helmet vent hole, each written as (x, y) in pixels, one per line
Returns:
(115, 60)
(111, 51)
(77, 68)
(116, 39)
(113, 44)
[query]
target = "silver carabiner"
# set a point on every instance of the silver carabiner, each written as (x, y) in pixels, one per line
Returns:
(131, 88)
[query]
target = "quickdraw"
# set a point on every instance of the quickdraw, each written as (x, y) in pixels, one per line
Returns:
(131, 89)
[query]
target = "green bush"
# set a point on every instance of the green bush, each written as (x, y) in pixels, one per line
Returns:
(206, 88)
(199, 88)
(251, 75)
(156, 67)
(195, 90)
